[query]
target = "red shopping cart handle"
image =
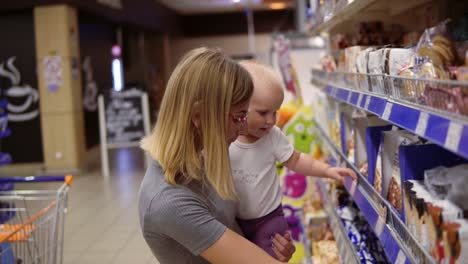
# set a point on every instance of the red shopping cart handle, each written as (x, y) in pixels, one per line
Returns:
(68, 179)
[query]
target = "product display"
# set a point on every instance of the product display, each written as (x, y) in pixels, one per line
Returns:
(396, 114)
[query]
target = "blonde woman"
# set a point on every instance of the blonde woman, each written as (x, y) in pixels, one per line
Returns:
(187, 203)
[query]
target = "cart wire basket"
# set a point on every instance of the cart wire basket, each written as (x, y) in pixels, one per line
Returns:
(32, 218)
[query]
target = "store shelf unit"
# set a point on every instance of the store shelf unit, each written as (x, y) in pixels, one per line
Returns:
(348, 8)
(401, 101)
(305, 241)
(347, 250)
(399, 244)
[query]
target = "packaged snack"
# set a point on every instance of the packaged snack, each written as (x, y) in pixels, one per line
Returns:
(351, 54)
(455, 237)
(399, 59)
(437, 47)
(391, 180)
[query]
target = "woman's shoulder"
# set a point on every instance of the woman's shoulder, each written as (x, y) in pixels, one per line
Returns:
(156, 195)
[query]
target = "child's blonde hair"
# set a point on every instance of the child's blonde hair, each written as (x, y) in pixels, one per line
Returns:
(208, 79)
(263, 74)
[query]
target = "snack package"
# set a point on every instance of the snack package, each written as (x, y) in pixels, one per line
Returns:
(351, 54)
(391, 180)
(435, 44)
(366, 128)
(374, 154)
(455, 237)
(378, 64)
(399, 59)
(426, 216)
(362, 63)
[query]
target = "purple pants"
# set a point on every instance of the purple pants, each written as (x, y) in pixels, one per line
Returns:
(261, 230)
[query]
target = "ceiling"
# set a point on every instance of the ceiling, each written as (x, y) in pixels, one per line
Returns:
(220, 6)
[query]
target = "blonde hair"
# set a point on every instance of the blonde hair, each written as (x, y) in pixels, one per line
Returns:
(262, 73)
(214, 83)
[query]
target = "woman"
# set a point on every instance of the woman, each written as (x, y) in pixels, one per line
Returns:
(187, 202)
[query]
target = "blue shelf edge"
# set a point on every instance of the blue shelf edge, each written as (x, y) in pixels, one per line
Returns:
(444, 131)
(5, 133)
(5, 159)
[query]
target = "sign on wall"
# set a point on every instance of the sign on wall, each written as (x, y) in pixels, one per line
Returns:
(19, 86)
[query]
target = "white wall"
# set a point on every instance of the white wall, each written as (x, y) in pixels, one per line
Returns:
(230, 44)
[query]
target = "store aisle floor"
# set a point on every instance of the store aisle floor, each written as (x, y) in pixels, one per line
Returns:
(102, 223)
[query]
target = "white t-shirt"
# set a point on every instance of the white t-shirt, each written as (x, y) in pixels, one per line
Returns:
(255, 174)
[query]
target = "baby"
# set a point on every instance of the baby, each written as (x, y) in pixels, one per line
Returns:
(253, 157)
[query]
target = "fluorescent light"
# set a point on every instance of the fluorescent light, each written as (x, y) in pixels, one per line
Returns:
(276, 6)
(117, 74)
(236, 1)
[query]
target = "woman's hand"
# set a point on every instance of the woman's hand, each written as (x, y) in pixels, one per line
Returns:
(338, 173)
(283, 247)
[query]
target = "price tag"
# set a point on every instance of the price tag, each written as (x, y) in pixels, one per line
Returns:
(453, 136)
(368, 99)
(359, 100)
(422, 123)
(350, 94)
(352, 189)
(379, 225)
(333, 92)
(401, 257)
(387, 111)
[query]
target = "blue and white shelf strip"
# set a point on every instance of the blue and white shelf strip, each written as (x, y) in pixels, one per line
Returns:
(442, 130)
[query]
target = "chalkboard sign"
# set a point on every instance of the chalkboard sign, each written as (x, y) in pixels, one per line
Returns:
(123, 121)
(124, 117)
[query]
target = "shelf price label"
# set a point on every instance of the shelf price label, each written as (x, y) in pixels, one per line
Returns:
(454, 133)
(380, 224)
(352, 189)
(387, 111)
(368, 99)
(334, 92)
(359, 100)
(401, 257)
(422, 123)
(350, 94)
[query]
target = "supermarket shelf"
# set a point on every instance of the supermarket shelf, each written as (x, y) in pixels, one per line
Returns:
(5, 133)
(5, 159)
(399, 244)
(347, 250)
(305, 241)
(348, 11)
(448, 130)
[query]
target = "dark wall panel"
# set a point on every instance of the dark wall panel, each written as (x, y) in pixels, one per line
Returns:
(149, 14)
(236, 23)
(96, 39)
(19, 86)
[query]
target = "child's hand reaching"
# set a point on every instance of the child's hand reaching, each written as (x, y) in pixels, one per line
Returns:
(338, 173)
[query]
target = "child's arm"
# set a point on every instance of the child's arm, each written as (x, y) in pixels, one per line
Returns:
(307, 165)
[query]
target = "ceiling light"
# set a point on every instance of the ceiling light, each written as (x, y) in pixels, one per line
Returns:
(236, 1)
(276, 6)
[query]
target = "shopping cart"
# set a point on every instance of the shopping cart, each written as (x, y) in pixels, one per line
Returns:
(32, 227)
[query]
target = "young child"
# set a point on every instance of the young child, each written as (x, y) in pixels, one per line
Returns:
(253, 158)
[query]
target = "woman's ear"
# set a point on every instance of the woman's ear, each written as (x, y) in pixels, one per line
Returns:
(196, 112)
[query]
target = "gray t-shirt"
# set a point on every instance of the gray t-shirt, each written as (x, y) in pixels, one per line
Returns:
(181, 222)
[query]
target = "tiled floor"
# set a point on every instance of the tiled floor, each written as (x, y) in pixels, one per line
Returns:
(102, 222)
